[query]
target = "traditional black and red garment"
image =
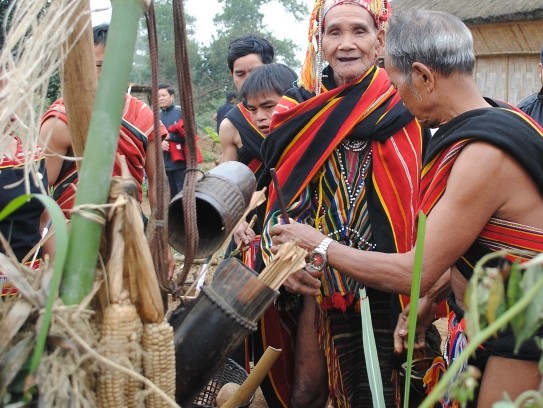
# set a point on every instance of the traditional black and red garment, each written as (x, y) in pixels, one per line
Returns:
(135, 133)
(519, 136)
(305, 135)
(251, 138)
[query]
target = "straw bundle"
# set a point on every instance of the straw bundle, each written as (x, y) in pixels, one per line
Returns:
(289, 259)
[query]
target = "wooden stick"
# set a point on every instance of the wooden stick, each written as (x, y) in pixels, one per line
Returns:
(254, 379)
(236, 251)
(279, 193)
(257, 198)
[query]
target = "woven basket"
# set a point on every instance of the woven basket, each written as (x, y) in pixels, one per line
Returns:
(231, 372)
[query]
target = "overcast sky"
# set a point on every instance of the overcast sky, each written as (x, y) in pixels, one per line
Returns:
(283, 26)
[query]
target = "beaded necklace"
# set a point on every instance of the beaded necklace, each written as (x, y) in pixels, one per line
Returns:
(351, 162)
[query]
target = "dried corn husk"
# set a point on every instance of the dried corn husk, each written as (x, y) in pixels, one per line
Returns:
(139, 262)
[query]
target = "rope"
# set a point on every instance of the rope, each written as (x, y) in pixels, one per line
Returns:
(185, 87)
(157, 228)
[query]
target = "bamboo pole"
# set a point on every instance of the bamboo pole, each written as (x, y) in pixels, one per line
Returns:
(79, 79)
(100, 150)
(254, 379)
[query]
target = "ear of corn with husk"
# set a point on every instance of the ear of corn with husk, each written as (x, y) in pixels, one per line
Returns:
(134, 296)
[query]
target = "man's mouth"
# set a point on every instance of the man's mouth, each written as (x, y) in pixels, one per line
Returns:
(347, 59)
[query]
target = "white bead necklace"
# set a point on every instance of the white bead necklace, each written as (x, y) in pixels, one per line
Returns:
(354, 147)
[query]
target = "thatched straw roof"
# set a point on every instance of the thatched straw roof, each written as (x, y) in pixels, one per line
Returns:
(479, 12)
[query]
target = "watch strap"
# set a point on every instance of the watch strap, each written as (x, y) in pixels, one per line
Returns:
(325, 243)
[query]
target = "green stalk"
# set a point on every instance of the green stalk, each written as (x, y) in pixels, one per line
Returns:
(100, 151)
(414, 303)
(473, 344)
(370, 352)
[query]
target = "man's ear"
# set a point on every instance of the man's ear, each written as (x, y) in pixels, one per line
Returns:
(380, 46)
(424, 76)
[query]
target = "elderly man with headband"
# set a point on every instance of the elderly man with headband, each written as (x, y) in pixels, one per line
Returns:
(348, 159)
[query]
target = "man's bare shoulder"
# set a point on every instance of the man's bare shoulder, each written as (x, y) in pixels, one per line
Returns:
(228, 133)
(55, 133)
(484, 172)
(226, 128)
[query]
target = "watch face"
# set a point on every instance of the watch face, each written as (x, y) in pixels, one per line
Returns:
(317, 261)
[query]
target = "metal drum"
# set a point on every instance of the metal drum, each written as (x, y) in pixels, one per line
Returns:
(222, 196)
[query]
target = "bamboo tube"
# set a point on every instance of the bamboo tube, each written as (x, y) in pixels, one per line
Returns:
(254, 379)
(97, 167)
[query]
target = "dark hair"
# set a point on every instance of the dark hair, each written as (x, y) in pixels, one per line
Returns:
(267, 78)
(541, 55)
(230, 95)
(249, 44)
(170, 89)
(100, 34)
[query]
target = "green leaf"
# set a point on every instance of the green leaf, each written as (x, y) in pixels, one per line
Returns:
(534, 311)
(61, 245)
(513, 285)
(11, 362)
(14, 205)
(503, 404)
(514, 293)
(495, 304)
(413, 302)
(212, 134)
(370, 352)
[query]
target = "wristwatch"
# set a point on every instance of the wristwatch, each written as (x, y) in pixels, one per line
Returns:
(317, 257)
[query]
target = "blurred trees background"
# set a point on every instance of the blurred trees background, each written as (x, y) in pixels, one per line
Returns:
(209, 71)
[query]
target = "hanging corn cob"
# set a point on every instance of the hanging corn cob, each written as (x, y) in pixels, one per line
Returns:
(159, 360)
(157, 340)
(121, 328)
(119, 332)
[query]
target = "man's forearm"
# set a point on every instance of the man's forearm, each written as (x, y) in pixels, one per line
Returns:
(441, 288)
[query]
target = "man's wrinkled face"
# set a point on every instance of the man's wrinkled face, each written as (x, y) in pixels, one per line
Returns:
(350, 41)
(411, 96)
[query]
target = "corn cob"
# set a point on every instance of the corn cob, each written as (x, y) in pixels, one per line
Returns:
(133, 386)
(159, 361)
(119, 338)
